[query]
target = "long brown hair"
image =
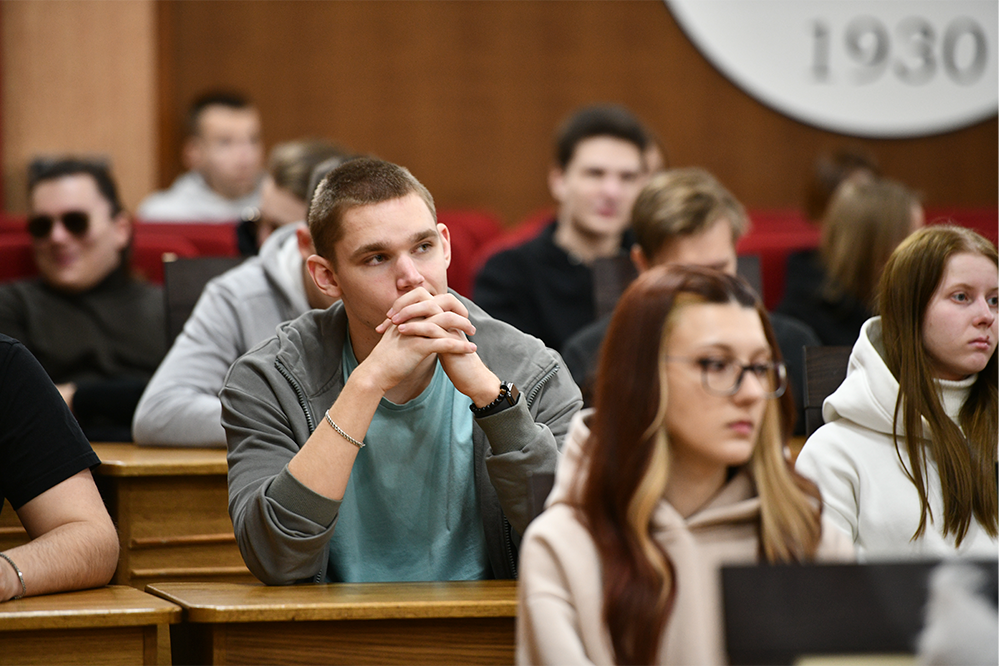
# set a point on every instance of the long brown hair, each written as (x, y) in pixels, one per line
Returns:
(965, 455)
(866, 220)
(628, 458)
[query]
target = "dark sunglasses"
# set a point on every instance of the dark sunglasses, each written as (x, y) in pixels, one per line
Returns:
(76, 222)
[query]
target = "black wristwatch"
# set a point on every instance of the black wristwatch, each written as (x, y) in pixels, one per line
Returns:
(508, 397)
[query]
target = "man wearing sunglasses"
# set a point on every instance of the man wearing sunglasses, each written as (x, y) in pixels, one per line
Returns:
(98, 333)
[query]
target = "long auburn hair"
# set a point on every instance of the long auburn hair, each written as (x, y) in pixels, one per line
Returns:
(965, 452)
(628, 458)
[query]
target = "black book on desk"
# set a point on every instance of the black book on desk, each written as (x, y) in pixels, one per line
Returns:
(777, 614)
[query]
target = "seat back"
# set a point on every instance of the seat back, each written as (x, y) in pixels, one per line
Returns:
(748, 268)
(470, 231)
(183, 281)
(825, 370)
(784, 613)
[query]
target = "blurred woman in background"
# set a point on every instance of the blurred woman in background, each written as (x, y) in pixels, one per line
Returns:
(834, 289)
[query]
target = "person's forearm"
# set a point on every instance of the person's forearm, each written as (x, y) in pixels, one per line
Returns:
(73, 556)
(179, 417)
(325, 461)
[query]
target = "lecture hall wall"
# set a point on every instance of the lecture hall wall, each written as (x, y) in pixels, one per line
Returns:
(466, 94)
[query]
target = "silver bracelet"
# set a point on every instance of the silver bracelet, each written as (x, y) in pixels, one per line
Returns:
(347, 437)
(20, 577)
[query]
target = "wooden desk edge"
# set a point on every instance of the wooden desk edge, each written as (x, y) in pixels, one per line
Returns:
(502, 603)
(132, 460)
(111, 606)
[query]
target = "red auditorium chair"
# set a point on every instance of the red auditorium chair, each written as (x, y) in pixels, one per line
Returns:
(149, 250)
(983, 220)
(773, 235)
(16, 258)
(212, 239)
(470, 231)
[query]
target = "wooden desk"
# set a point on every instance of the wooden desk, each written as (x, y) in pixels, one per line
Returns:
(109, 625)
(171, 509)
(374, 623)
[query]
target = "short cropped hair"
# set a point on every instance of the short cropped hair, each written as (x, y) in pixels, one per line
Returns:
(227, 98)
(611, 120)
(291, 163)
(43, 169)
(682, 202)
(359, 182)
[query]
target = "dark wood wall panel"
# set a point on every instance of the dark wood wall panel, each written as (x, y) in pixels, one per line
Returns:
(467, 94)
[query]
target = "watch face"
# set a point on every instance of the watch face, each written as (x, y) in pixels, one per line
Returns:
(873, 69)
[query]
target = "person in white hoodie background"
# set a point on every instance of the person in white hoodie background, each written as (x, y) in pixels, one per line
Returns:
(678, 470)
(906, 460)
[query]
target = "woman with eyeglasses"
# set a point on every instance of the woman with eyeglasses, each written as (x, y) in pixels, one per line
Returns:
(679, 469)
(906, 460)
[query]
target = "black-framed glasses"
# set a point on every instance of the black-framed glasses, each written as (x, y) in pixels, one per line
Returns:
(723, 376)
(76, 222)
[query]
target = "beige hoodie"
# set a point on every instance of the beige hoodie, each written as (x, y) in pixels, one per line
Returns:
(561, 598)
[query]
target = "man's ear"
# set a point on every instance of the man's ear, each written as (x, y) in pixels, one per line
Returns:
(324, 276)
(305, 245)
(122, 225)
(638, 258)
(556, 183)
(192, 154)
(445, 242)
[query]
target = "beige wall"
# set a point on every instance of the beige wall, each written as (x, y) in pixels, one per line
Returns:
(79, 76)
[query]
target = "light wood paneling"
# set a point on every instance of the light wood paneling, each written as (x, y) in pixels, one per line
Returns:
(79, 77)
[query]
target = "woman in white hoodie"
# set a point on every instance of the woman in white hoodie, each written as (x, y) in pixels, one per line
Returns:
(678, 470)
(906, 461)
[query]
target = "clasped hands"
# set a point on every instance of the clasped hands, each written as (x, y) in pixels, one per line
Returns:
(420, 324)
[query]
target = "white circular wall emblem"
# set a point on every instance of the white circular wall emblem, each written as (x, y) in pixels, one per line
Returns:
(877, 69)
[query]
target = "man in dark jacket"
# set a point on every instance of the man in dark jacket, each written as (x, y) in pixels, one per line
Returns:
(545, 287)
(98, 333)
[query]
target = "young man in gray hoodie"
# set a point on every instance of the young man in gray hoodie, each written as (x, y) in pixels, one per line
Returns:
(404, 416)
(240, 308)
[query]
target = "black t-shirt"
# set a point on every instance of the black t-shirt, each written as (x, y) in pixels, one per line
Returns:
(41, 444)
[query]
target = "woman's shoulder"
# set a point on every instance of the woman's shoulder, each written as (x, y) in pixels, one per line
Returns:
(559, 523)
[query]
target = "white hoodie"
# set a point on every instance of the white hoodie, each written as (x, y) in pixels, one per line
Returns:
(854, 461)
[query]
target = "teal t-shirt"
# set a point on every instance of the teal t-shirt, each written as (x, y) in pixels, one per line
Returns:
(410, 509)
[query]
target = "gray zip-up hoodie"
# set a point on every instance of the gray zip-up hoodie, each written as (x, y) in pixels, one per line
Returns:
(237, 311)
(275, 396)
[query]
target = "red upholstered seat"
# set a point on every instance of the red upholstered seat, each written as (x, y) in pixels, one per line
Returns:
(470, 230)
(148, 250)
(212, 239)
(16, 258)
(773, 236)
